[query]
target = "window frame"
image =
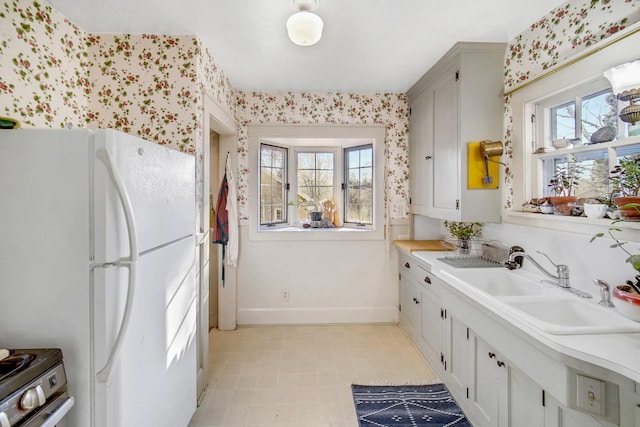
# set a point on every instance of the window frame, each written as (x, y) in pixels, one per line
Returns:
(581, 70)
(294, 181)
(285, 183)
(354, 135)
(346, 186)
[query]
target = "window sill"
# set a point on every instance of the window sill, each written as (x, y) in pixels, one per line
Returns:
(574, 224)
(315, 234)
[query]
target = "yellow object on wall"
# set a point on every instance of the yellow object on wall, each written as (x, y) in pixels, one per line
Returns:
(476, 168)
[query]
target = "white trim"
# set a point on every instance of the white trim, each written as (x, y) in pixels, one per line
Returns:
(312, 315)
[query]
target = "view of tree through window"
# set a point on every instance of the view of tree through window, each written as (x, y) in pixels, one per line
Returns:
(359, 187)
(595, 112)
(315, 181)
(273, 181)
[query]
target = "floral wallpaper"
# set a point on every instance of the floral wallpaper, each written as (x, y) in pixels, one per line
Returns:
(53, 74)
(387, 109)
(42, 55)
(562, 33)
(549, 42)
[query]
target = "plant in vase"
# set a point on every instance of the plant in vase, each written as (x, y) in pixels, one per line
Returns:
(464, 232)
(624, 180)
(314, 211)
(564, 184)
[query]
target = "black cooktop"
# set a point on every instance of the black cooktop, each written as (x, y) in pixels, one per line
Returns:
(25, 365)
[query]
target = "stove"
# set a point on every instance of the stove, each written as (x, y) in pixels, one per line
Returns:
(33, 388)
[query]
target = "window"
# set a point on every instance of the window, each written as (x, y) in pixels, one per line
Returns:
(575, 115)
(358, 194)
(315, 183)
(273, 185)
(300, 169)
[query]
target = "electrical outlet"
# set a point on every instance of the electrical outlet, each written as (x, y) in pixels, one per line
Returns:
(591, 395)
(285, 295)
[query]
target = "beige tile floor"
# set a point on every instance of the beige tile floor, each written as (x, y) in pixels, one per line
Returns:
(302, 375)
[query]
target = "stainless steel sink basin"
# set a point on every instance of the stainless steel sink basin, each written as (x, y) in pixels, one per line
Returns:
(571, 316)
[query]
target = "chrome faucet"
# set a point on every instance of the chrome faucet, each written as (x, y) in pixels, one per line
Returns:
(605, 293)
(561, 280)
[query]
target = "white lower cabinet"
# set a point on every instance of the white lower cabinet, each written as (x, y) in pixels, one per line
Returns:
(466, 348)
(409, 306)
(501, 394)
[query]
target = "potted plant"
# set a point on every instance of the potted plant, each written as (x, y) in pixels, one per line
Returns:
(464, 232)
(625, 183)
(564, 184)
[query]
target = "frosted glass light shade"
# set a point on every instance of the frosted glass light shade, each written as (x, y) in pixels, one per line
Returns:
(624, 78)
(304, 28)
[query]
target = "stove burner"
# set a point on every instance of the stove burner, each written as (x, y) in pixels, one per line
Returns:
(13, 364)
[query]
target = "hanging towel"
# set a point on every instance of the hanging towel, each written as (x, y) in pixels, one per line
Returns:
(226, 226)
(232, 210)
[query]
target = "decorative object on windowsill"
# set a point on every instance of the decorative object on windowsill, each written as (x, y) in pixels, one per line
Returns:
(304, 27)
(564, 183)
(604, 134)
(331, 212)
(625, 83)
(464, 232)
(625, 183)
(594, 208)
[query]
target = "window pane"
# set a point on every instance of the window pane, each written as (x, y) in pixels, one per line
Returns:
(592, 171)
(563, 121)
(597, 111)
(315, 181)
(273, 203)
(359, 189)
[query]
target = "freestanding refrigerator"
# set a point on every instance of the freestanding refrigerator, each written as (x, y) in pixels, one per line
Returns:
(97, 257)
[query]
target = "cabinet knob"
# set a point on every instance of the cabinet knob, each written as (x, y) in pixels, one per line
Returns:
(491, 355)
(428, 157)
(500, 363)
(427, 279)
(407, 265)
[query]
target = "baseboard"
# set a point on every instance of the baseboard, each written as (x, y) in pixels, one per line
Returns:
(302, 316)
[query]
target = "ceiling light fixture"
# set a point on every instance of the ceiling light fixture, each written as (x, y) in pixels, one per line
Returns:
(304, 27)
(625, 83)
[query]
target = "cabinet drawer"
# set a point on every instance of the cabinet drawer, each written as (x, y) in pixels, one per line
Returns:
(413, 269)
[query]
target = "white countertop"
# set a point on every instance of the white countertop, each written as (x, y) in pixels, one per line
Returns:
(618, 352)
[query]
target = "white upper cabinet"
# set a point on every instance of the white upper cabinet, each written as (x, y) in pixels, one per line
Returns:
(456, 102)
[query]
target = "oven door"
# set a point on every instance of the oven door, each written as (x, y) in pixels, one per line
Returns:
(52, 413)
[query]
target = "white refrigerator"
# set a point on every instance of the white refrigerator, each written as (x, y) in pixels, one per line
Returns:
(97, 257)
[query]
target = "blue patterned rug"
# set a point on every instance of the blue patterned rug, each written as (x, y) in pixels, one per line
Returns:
(407, 406)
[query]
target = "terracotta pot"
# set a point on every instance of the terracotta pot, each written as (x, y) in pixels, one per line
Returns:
(563, 205)
(629, 214)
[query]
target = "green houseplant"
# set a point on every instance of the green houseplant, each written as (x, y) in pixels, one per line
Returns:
(624, 180)
(564, 183)
(464, 232)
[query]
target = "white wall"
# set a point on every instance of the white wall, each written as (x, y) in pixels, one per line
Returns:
(586, 261)
(328, 281)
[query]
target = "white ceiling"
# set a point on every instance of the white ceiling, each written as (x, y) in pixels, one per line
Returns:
(367, 45)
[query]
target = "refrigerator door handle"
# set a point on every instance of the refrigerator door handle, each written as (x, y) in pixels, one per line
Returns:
(106, 158)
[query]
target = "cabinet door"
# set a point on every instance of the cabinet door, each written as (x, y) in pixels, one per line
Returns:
(421, 152)
(489, 388)
(430, 334)
(409, 302)
(502, 395)
(525, 401)
(457, 360)
(446, 155)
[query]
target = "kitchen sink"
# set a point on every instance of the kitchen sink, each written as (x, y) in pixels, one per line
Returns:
(571, 316)
(501, 283)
